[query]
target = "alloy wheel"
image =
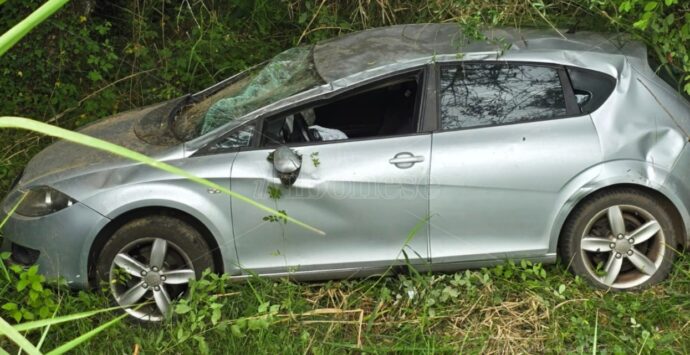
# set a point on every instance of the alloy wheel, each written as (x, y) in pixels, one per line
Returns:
(152, 271)
(623, 246)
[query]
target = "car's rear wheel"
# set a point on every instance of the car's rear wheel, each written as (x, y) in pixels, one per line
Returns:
(150, 261)
(620, 239)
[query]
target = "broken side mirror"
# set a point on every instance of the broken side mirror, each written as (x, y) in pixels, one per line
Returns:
(287, 164)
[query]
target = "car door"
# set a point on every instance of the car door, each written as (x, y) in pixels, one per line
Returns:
(366, 194)
(510, 137)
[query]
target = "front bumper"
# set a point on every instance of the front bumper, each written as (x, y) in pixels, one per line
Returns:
(63, 240)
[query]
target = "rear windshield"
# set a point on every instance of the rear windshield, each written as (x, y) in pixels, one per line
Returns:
(287, 74)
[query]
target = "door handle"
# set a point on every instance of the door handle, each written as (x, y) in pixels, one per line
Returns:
(405, 160)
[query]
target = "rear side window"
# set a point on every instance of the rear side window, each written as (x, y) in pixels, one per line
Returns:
(489, 94)
(591, 88)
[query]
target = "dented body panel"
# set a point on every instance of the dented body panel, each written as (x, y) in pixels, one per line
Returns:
(493, 193)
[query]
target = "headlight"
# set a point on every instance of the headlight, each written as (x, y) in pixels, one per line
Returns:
(42, 200)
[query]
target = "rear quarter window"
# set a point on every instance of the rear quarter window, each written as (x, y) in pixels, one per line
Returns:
(591, 88)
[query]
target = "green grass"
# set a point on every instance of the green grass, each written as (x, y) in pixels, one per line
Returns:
(506, 309)
(511, 308)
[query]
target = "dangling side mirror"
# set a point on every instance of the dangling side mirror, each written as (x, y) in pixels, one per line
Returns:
(287, 164)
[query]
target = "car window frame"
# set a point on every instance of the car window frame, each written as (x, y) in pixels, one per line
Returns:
(572, 109)
(601, 75)
(208, 148)
(422, 73)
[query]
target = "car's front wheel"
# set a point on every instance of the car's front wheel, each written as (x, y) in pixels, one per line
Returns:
(620, 239)
(149, 262)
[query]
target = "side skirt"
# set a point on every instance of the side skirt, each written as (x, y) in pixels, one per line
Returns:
(363, 272)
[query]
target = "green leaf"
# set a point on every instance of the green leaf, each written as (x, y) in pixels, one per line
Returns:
(181, 334)
(650, 6)
(215, 316)
(17, 315)
(36, 286)
(95, 76)
(182, 308)
(203, 347)
(21, 284)
(28, 314)
(236, 330)
(11, 306)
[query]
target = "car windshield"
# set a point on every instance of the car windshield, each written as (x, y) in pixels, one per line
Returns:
(287, 74)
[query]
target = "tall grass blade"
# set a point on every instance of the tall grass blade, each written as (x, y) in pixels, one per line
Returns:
(86, 336)
(44, 334)
(62, 319)
(596, 329)
(11, 211)
(23, 343)
(50, 130)
(11, 37)
(2, 224)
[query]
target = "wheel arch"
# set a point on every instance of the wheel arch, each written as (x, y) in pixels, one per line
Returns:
(667, 202)
(107, 231)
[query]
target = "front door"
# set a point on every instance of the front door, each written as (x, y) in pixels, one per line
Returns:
(363, 181)
(352, 190)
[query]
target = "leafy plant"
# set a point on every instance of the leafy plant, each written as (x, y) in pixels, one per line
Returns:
(32, 298)
(315, 159)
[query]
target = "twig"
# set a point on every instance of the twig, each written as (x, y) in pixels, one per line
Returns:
(89, 96)
(304, 33)
(547, 21)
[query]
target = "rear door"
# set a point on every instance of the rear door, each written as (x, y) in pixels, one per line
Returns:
(510, 137)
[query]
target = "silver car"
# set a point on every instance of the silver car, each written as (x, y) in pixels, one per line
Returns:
(407, 145)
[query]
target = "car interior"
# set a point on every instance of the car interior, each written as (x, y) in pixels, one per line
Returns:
(385, 110)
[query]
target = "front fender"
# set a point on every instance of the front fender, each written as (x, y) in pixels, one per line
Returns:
(211, 210)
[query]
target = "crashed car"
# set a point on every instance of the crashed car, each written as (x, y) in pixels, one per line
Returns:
(408, 145)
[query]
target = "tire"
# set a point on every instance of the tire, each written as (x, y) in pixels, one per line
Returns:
(152, 259)
(629, 258)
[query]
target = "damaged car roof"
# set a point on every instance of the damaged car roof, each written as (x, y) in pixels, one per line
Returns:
(356, 52)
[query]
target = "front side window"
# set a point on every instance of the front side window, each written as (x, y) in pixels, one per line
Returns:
(390, 108)
(489, 94)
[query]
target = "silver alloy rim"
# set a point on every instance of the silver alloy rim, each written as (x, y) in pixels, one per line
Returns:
(623, 246)
(156, 270)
